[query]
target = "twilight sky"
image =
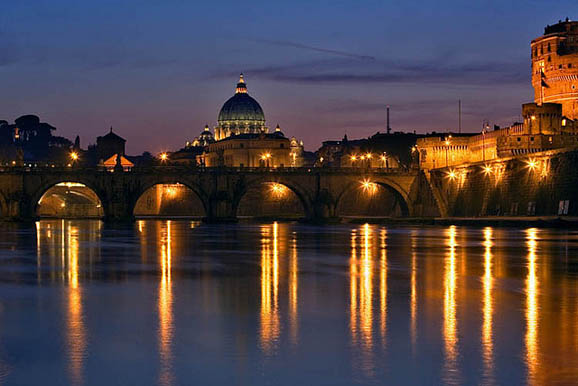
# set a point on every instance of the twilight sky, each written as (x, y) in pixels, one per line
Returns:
(159, 70)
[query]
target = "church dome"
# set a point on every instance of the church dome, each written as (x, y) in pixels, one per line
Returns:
(241, 109)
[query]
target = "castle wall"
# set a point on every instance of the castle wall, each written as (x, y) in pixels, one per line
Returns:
(516, 187)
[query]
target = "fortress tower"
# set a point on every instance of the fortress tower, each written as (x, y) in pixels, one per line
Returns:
(555, 67)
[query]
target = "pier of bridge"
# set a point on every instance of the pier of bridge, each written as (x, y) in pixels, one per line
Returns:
(220, 190)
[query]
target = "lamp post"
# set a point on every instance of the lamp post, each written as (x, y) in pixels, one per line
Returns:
(265, 158)
(353, 159)
(447, 142)
(74, 157)
(415, 150)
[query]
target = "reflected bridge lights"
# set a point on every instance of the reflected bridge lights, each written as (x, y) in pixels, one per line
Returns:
(278, 190)
(171, 190)
(369, 187)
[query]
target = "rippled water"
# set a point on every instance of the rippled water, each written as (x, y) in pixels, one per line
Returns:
(179, 302)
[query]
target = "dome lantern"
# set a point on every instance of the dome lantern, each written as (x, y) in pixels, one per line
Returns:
(241, 86)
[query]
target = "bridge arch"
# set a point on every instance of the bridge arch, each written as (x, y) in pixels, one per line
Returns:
(67, 197)
(276, 185)
(401, 196)
(170, 189)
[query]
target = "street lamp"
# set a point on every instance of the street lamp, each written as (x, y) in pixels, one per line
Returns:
(164, 157)
(447, 142)
(265, 158)
(73, 156)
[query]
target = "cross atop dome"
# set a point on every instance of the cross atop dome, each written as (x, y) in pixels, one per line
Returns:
(241, 86)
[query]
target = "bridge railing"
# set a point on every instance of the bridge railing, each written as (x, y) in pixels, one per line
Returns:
(31, 168)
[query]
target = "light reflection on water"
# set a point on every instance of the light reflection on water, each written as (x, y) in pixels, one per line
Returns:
(169, 301)
(450, 326)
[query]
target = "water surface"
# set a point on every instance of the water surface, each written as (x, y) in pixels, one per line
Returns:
(180, 302)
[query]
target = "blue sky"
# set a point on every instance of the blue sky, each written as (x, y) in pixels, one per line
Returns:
(158, 71)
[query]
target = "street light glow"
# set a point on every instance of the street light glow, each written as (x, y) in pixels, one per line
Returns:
(278, 190)
(74, 155)
(532, 164)
(164, 156)
(487, 169)
(369, 187)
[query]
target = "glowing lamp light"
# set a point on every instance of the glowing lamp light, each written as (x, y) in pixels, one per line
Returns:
(278, 190)
(170, 191)
(487, 169)
(164, 156)
(533, 117)
(74, 155)
(452, 175)
(353, 158)
(532, 164)
(368, 156)
(266, 156)
(369, 187)
(362, 157)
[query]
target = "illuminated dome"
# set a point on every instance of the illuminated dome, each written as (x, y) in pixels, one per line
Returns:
(240, 114)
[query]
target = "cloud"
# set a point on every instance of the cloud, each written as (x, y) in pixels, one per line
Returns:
(435, 71)
(286, 43)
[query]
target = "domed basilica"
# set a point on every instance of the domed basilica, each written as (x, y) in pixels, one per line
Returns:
(240, 114)
(241, 138)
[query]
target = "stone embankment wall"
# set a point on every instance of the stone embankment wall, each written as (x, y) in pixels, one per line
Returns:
(540, 184)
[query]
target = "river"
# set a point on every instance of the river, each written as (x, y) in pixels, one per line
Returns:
(181, 302)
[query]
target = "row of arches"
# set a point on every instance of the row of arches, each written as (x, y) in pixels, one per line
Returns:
(260, 200)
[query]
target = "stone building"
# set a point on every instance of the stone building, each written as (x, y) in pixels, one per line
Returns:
(109, 145)
(241, 138)
(544, 128)
(555, 67)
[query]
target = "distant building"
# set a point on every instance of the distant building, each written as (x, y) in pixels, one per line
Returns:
(30, 141)
(241, 138)
(382, 150)
(544, 128)
(555, 67)
(109, 145)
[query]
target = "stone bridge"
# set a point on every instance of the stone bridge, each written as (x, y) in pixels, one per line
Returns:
(219, 189)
